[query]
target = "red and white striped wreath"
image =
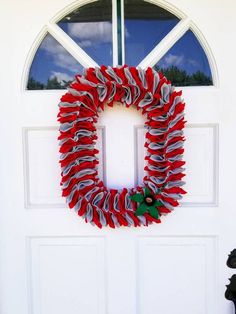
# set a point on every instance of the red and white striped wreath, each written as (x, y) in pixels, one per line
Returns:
(150, 92)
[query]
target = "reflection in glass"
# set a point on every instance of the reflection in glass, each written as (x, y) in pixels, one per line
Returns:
(186, 64)
(90, 27)
(145, 26)
(53, 67)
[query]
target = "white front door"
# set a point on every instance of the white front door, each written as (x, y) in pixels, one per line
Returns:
(51, 261)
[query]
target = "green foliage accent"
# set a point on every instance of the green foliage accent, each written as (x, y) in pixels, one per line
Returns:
(141, 210)
(154, 212)
(147, 192)
(180, 77)
(158, 203)
(52, 83)
(137, 197)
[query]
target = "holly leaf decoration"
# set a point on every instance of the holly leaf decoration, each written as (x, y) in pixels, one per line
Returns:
(141, 210)
(137, 198)
(154, 212)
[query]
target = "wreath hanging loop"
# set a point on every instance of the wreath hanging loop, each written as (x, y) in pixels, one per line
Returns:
(148, 91)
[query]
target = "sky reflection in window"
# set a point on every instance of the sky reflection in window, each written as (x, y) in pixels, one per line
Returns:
(90, 27)
(145, 26)
(186, 63)
(53, 67)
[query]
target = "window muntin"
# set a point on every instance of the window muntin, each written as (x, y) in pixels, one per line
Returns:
(53, 67)
(146, 25)
(186, 64)
(90, 26)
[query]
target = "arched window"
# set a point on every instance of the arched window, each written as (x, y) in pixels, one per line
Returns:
(113, 32)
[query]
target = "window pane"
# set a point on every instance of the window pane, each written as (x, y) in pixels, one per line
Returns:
(90, 27)
(53, 67)
(186, 64)
(145, 26)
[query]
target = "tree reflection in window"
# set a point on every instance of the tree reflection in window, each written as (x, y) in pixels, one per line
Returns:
(53, 67)
(186, 64)
(145, 25)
